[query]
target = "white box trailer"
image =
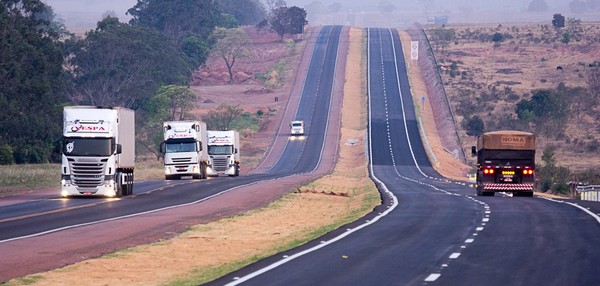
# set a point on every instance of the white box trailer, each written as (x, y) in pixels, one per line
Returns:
(98, 152)
(224, 153)
(185, 149)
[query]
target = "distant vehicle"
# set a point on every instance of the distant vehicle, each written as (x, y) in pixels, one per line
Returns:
(297, 127)
(505, 163)
(98, 152)
(223, 153)
(185, 149)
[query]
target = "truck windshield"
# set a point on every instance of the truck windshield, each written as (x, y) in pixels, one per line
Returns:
(220, 150)
(180, 147)
(88, 146)
(296, 124)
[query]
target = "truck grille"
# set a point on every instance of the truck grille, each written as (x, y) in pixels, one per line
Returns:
(181, 160)
(87, 175)
(220, 164)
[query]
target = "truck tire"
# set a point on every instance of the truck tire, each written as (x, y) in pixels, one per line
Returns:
(203, 173)
(119, 184)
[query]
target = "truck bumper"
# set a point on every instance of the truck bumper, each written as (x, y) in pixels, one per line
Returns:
(507, 187)
(212, 172)
(106, 190)
(182, 170)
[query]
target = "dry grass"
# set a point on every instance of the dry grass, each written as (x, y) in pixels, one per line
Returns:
(525, 61)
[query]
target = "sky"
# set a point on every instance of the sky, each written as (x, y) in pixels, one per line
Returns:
(84, 14)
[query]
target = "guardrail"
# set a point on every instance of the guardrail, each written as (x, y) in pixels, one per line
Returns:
(588, 193)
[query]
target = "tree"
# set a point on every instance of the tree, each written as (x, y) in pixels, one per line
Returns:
(230, 45)
(179, 20)
(297, 17)
(180, 100)
(443, 37)
(537, 6)
(120, 64)
(558, 21)
(593, 81)
(334, 7)
(247, 12)
(222, 117)
(497, 38)
(578, 6)
(474, 126)
(566, 38)
(31, 80)
(386, 6)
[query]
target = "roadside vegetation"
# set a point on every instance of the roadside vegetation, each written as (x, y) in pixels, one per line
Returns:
(540, 78)
(142, 64)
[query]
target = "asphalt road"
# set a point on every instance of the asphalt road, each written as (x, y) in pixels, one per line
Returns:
(20, 223)
(430, 231)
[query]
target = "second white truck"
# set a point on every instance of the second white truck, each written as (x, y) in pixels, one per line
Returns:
(185, 149)
(224, 153)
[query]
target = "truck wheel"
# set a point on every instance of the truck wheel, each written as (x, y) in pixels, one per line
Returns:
(237, 170)
(119, 184)
(130, 184)
(479, 190)
(203, 174)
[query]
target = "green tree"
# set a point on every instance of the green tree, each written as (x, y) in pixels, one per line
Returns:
(566, 38)
(558, 21)
(179, 20)
(120, 64)
(443, 37)
(297, 17)
(31, 81)
(222, 117)
(247, 12)
(230, 45)
(473, 125)
(497, 38)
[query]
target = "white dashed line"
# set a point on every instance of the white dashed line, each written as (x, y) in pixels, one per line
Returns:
(454, 255)
(432, 277)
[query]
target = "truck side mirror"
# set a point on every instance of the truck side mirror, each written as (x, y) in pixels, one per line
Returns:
(119, 148)
(235, 150)
(163, 147)
(199, 146)
(473, 151)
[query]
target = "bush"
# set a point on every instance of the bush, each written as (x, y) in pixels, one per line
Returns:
(6, 155)
(560, 188)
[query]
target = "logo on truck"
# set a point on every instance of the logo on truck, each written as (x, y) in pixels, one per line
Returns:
(513, 141)
(87, 128)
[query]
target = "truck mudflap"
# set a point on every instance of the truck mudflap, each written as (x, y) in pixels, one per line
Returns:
(508, 187)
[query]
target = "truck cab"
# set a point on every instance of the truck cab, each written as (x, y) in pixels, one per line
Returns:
(184, 149)
(297, 128)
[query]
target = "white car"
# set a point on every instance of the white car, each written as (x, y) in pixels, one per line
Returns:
(297, 127)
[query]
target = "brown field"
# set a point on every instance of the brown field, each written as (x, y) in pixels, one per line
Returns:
(531, 57)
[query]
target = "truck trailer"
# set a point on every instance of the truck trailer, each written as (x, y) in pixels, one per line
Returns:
(224, 153)
(505, 163)
(98, 151)
(185, 149)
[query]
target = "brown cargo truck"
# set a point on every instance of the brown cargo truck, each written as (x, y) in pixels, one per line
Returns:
(505, 163)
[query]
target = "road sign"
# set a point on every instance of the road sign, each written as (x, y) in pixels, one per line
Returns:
(414, 50)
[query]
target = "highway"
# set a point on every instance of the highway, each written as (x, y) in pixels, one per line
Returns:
(24, 225)
(430, 231)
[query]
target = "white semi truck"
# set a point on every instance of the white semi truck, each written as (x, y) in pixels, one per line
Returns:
(224, 153)
(98, 152)
(185, 149)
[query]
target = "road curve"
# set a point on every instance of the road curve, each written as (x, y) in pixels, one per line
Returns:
(49, 233)
(429, 230)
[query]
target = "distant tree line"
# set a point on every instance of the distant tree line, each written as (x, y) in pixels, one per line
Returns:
(142, 64)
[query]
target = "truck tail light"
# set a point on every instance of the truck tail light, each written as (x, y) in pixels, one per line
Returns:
(488, 171)
(527, 172)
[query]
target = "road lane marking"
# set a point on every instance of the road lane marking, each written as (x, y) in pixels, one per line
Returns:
(454, 255)
(432, 277)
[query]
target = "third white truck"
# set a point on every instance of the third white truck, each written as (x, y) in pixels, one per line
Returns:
(185, 149)
(224, 153)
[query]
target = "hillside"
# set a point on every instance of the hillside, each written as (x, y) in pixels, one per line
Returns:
(488, 78)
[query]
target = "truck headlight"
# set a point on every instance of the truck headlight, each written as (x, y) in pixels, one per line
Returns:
(167, 170)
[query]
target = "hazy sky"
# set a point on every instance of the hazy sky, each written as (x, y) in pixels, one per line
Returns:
(86, 13)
